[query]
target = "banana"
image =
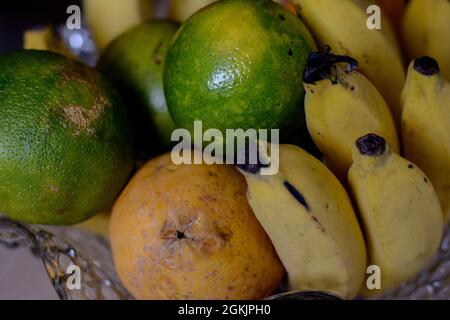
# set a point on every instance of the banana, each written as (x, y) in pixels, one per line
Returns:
(399, 210)
(109, 18)
(309, 218)
(341, 105)
(426, 31)
(426, 125)
(98, 224)
(180, 10)
(342, 25)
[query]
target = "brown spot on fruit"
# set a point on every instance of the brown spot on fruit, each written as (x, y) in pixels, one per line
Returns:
(83, 118)
(318, 224)
(158, 56)
(207, 197)
(212, 174)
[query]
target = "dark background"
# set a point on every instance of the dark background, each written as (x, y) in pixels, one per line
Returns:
(16, 16)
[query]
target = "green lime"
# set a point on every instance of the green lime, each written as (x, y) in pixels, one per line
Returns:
(238, 64)
(65, 140)
(134, 62)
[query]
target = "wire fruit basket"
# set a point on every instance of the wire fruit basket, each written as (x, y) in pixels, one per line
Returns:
(62, 247)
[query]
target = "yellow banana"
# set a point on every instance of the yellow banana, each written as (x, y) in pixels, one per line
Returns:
(180, 10)
(342, 25)
(109, 18)
(309, 218)
(426, 125)
(399, 210)
(426, 31)
(341, 107)
(98, 224)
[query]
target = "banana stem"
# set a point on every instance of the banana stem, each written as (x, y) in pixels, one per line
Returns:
(319, 65)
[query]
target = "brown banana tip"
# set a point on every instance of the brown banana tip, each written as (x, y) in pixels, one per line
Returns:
(371, 145)
(426, 66)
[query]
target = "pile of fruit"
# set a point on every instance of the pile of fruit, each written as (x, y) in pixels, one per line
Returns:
(364, 159)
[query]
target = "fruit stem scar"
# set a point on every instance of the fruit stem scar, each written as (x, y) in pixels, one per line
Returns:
(296, 194)
(426, 66)
(180, 235)
(319, 65)
(371, 145)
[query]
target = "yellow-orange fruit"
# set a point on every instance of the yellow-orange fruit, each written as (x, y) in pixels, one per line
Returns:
(187, 232)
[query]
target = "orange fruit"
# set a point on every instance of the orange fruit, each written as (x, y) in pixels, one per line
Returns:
(187, 232)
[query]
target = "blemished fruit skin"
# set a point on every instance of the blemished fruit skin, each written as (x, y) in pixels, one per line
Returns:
(134, 62)
(342, 25)
(65, 140)
(238, 64)
(339, 113)
(308, 216)
(426, 30)
(399, 211)
(426, 125)
(187, 232)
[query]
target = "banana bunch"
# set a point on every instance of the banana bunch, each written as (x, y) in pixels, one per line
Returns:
(341, 105)
(109, 18)
(426, 125)
(309, 217)
(398, 203)
(342, 25)
(399, 210)
(426, 31)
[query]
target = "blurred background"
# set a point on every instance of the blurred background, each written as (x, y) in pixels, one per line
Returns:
(19, 15)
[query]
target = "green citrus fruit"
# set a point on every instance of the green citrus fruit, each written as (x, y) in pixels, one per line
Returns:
(65, 141)
(134, 62)
(238, 64)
